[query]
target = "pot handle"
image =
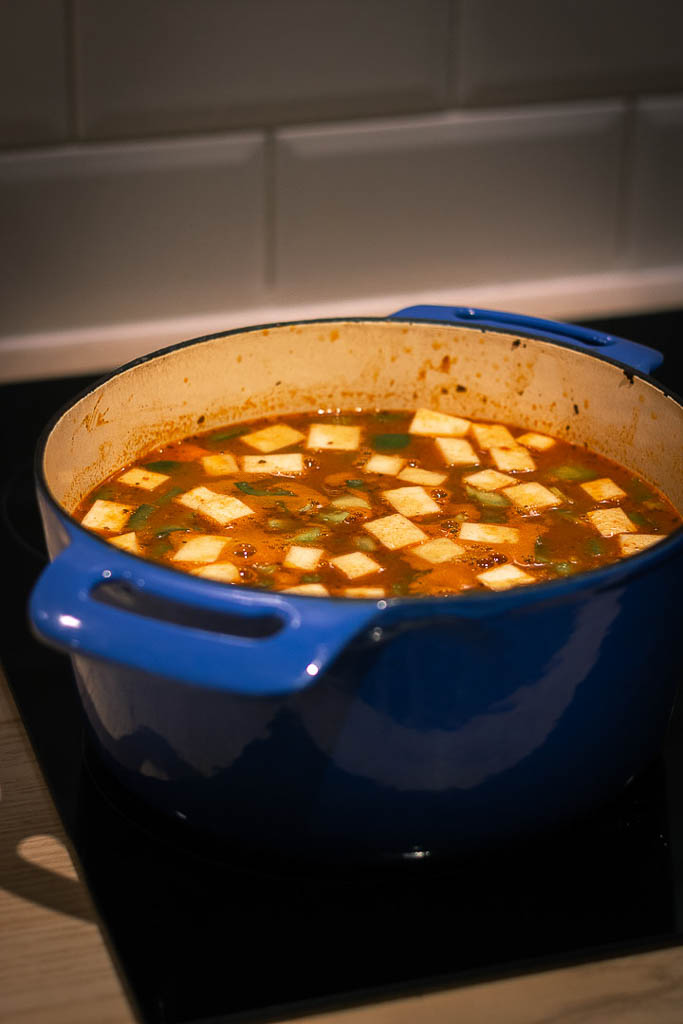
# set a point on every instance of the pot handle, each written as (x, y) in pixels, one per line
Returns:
(638, 357)
(292, 638)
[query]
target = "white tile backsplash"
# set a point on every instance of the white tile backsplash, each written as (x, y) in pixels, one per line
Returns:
(655, 216)
(160, 66)
(524, 155)
(33, 72)
(109, 233)
(452, 199)
(539, 50)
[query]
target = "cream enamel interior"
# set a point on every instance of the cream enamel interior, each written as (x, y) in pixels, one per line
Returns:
(387, 364)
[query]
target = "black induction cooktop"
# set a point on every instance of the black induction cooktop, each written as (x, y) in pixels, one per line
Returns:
(202, 933)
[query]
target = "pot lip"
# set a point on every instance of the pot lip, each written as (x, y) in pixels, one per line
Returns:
(612, 573)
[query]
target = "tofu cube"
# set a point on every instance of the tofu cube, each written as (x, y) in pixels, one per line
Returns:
(531, 496)
(300, 557)
(145, 479)
(222, 572)
(205, 548)
(286, 464)
(395, 531)
(309, 589)
(502, 577)
(222, 508)
(127, 542)
(415, 475)
(333, 437)
(373, 593)
(280, 435)
(514, 460)
(630, 543)
(387, 465)
(107, 515)
(350, 501)
(411, 501)
(456, 451)
(489, 480)
(430, 423)
(355, 564)
(488, 533)
(539, 442)
(603, 489)
(441, 549)
(493, 435)
(611, 521)
(219, 465)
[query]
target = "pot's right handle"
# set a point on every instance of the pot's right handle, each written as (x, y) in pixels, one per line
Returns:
(638, 357)
(304, 634)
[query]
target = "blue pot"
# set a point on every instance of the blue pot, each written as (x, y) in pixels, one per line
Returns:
(357, 730)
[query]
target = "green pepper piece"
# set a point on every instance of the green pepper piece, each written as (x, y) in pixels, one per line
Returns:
(248, 488)
(564, 568)
(309, 506)
(140, 516)
(170, 494)
(163, 466)
(637, 490)
(333, 516)
(281, 524)
(307, 536)
(106, 493)
(390, 442)
(265, 582)
(490, 498)
(385, 416)
(171, 529)
(311, 577)
(572, 472)
(594, 546)
(403, 585)
(359, 485)
(541, 551)
(159, 548)
(365, 543)
(640, 520)
(564, 513)
(227, 435)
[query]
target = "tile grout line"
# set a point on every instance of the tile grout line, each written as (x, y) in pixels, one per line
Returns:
(75, 112)
(269, 211)
(624, 204)
(453, 54)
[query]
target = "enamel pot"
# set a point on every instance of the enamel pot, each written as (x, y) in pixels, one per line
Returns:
(356, 730)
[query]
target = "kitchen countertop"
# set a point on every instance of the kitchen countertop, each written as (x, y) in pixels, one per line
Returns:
(55, 967)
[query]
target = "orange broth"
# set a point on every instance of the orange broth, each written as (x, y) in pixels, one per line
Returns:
(377, 504)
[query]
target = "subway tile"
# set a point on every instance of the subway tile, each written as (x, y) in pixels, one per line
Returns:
(538, 50)
(655, 215)
(123, 232)
(162, 66)
(33, 75)
(447, 200)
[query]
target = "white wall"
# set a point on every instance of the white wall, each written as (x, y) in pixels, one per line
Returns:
(172, 167)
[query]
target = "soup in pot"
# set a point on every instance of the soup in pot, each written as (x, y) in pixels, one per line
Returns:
(377, 504)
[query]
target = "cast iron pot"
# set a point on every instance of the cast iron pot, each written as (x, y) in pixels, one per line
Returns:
(357, 729)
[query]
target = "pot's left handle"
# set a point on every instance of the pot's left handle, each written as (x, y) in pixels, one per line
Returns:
(631, 353)
(291, 640)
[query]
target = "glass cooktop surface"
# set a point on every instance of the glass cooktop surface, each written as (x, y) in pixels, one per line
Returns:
(204, 933)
